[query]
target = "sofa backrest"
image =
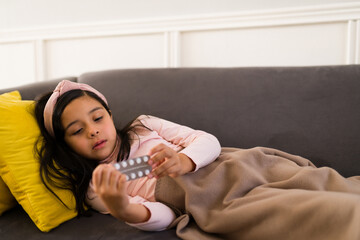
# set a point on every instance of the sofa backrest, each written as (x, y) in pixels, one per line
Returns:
(307, 111)
(32, 90)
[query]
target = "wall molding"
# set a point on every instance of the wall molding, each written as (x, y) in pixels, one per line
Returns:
(353, 42)
(357, 43)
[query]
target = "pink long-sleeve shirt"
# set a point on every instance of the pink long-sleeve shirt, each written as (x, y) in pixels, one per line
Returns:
(201, 147)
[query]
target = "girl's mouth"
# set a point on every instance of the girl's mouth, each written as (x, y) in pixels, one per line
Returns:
(99, 144)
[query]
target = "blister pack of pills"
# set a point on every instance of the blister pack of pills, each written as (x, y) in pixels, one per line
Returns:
(134, 168)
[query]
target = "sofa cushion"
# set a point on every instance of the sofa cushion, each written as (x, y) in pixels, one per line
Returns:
(20, 169)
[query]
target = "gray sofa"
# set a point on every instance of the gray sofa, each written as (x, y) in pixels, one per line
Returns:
(313, 112)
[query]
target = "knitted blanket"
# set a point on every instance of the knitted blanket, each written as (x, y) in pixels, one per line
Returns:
(263, 193)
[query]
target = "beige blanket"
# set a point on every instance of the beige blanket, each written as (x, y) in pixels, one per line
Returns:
(263, 193)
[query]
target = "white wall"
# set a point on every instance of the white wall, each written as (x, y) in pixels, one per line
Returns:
(43, 39)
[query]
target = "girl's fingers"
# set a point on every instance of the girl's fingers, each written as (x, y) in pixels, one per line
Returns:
(172, 171)
(158, 159)
(162, 169)
(98, 175)
(121, 182)
(114, 179)
(157, 148)
(164, 161)
(169, 167)
(106, 177)
(158, 153)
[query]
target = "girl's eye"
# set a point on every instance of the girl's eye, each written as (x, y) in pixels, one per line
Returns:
(77, 132)
(98, 119)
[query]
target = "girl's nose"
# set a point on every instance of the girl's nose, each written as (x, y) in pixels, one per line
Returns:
(93, 132)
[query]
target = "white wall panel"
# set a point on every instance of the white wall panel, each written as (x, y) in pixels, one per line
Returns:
(17, 61)
(326, 34)
(311, 44)
(76, 56)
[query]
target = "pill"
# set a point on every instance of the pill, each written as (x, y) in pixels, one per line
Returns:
(117, 166)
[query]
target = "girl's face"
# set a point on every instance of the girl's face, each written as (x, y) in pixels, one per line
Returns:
(89, 128)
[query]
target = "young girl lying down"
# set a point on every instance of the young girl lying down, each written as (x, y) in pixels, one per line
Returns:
(258, 193)
(80, 138)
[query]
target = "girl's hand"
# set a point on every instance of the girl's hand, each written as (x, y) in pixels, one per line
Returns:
(166, 161)
(109, 185)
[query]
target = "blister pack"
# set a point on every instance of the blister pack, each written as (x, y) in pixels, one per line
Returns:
(134, 168)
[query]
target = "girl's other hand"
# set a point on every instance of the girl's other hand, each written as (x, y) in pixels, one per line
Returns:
(166, 161)
(109, 185)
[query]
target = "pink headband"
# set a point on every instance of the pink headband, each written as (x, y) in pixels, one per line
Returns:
(63, 87)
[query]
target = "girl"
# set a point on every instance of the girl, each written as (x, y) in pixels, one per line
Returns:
(257, 193)
(80, 144)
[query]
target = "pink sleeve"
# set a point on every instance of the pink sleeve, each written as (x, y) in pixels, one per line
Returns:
(203, 148)
(161, 215)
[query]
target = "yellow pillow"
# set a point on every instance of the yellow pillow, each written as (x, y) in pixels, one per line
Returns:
(7, 200)
(20, 169)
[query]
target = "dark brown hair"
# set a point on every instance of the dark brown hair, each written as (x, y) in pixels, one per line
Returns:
(62, 167)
